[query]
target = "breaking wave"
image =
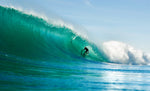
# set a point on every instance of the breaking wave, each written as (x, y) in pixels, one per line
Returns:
(29, 36)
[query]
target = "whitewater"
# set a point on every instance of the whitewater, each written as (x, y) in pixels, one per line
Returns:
(37, 53)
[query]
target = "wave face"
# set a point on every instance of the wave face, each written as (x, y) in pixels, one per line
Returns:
(31, 37)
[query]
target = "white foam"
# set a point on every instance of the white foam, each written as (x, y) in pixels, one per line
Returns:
(119, 52)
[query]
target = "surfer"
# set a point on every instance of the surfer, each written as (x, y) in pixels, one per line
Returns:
(85, 50)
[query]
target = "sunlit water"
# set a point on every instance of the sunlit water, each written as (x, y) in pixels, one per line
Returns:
(83, 76)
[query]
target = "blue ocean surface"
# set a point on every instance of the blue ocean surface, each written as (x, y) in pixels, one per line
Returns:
(38, 55)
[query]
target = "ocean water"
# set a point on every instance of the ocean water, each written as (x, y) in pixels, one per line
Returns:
(39, 55)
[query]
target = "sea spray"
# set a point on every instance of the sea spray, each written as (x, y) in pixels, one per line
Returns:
(119, 52)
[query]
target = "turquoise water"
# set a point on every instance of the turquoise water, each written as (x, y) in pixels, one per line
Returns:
(37, 55)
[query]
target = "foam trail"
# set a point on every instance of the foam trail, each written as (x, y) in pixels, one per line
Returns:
(119, 52)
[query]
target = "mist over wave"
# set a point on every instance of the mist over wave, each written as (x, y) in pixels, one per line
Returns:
(119, 52)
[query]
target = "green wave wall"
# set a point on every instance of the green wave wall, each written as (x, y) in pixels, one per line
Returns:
(28, 36)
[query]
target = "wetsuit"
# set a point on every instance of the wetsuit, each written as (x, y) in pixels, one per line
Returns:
(86, 49)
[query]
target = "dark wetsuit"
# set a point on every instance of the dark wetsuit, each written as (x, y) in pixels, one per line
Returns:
(86, 49)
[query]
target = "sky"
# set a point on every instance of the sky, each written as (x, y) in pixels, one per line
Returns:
(127, 21)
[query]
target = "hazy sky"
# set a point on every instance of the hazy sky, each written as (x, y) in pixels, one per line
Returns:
(121, 20)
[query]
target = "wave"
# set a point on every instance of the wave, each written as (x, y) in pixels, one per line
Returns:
(25, 35)
(29, 36)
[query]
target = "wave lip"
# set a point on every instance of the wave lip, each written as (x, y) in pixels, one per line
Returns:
(119, 52)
